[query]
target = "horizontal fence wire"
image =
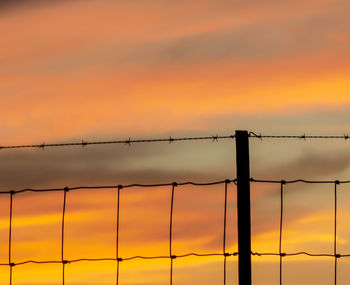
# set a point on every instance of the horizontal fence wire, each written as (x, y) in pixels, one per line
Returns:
(11, 263)
(130, 141)
(122, 259)
(114, 187)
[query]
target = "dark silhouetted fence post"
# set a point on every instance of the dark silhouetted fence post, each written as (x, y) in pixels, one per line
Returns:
(243, 208)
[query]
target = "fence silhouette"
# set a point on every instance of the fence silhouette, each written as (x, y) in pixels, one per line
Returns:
(283, 254)
(242, 183)
(11, 264)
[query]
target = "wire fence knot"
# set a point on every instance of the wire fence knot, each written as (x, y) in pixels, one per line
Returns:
(252, 134)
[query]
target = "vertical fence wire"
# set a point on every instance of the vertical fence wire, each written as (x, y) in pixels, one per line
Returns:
(117, 235)
(171, 233)
(10, 236)
(235, 218)
(281, 229)
(62, 234)
(224, 235)
(335, 232)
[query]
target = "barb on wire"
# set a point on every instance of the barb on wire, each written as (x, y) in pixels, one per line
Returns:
(215, 138)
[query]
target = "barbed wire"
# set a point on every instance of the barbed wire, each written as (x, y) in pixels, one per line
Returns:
(302, 136)
(170, 140)
(126, 142)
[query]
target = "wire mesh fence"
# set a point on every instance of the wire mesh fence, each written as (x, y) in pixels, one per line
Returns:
(282, 254)
(12, 264)
(224, 253)
(117, 258)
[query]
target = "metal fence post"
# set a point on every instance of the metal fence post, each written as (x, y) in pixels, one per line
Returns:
(243, 208)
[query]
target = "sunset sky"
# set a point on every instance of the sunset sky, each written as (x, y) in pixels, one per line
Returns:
(114, 69)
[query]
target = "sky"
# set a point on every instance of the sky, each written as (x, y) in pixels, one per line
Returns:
(103, 69)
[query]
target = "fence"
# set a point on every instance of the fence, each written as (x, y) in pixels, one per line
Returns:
(242, 182)
(11, 264)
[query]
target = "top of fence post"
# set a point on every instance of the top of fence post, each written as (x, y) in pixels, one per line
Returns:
(243, 207)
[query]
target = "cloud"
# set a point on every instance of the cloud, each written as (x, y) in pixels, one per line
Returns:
(291, 120)
(113, 164)
(228, 30)
(310, 165)
(5, 5)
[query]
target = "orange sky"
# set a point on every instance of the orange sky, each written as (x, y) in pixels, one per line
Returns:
(97, 69)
